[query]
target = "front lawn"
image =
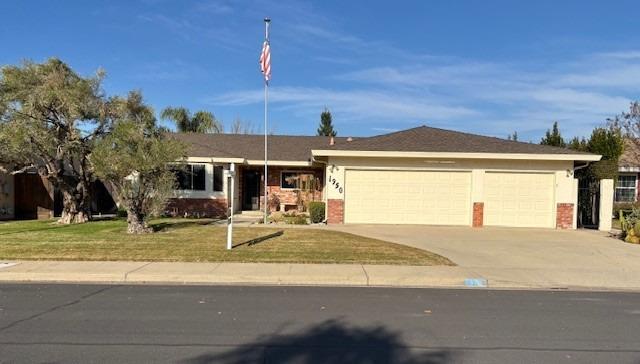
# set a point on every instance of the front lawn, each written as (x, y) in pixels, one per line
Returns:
(199, 240)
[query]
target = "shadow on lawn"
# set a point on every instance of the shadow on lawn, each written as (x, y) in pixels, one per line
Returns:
(329, 342)
(260, 239)
(174, 225)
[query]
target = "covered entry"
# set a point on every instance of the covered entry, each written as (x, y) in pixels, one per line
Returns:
(407, 197)
(519, 199)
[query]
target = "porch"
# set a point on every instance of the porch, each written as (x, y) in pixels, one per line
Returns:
(288, 188)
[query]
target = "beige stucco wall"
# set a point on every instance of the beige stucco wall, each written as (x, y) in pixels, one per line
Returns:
(7, 197)
(563, 172)
(606, 204)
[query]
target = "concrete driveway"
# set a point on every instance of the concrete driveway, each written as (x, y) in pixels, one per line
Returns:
(541, 257)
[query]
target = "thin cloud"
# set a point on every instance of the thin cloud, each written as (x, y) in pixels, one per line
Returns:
(353, 104)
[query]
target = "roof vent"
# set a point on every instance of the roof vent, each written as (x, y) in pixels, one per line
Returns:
(349, 139)
(332, 141)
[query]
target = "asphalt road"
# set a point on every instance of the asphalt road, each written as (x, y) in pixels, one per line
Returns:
(200, 324)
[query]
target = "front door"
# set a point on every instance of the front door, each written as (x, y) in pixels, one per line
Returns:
(251, 190)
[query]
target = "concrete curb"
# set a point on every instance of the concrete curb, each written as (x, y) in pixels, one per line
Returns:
(355, 275)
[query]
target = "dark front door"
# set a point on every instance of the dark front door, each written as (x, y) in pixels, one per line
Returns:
(588, 203)
(251, 190)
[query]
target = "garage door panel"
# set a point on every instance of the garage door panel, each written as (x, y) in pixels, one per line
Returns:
(519, 199)
(407, 197)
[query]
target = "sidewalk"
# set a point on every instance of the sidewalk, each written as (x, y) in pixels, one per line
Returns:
(312, 274)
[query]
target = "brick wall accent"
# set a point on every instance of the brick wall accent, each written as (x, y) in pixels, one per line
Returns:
(564, 216)
(335, 212)
(200, 207)
(478, 214)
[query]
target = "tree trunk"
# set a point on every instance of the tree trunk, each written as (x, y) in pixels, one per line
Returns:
(76, 206)
(136, 223)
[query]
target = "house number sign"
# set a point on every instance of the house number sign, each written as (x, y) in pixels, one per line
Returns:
(335, 184)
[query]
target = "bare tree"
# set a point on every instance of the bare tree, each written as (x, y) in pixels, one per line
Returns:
(242, 127)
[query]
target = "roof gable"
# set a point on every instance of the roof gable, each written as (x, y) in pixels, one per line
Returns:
(427, 139)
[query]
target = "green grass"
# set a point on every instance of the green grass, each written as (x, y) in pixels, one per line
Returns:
(190, 240)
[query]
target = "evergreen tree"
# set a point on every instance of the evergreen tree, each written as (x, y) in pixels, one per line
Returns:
(553, 137)
(326, 124)
(606, 142)
(578, 144)
(513, 136)
(50, 118)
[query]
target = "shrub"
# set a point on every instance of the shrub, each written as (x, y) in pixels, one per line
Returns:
(631, 226)
(296, 219)
(276, 217)
(316, 211)
(625, 207)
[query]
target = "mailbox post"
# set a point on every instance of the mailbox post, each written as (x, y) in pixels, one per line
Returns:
(230, 174)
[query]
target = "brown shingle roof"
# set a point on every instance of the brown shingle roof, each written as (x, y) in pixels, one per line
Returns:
(427, 139)
(298, 148)
(281, 147)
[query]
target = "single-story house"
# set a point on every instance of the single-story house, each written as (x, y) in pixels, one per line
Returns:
(422, 175)
(626, 189)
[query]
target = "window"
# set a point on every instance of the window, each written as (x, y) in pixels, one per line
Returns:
(626, 188)
(297, 180)
(191, 177)
(289, 180)
(198, 177)
(218, 173)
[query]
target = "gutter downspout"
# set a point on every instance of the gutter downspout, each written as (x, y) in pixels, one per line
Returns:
(580, 167)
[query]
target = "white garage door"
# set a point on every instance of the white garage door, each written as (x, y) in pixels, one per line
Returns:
(519, 199)
(407, 197)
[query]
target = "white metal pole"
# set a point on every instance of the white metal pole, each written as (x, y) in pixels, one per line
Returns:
(266, 101)
(231, 183)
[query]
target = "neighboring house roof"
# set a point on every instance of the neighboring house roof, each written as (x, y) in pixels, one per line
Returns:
(630, 159)
(421, 139)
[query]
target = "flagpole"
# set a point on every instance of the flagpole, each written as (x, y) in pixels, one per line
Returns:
(266, 102)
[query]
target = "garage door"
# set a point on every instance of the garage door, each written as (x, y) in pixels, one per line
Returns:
(519, 199)
(407, 197)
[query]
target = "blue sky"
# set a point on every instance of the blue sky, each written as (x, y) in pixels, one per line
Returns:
(489, 67)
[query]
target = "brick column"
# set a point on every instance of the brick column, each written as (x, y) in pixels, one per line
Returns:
(478, 214)
(335, 212)
(564, 216)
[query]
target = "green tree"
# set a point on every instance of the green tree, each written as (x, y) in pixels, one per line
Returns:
(135, 159)
(326, 124)
(579, 144)
(513, 136)
(200, 122)
(49, 119)
(553, 137)
(607, 142)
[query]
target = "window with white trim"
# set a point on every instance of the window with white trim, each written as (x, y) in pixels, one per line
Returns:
(191, 177)
(626, 186)
(218, 173)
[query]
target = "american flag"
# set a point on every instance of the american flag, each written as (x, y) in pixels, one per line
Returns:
(265, 61)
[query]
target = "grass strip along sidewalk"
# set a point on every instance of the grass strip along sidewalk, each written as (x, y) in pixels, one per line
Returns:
(199, 240)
